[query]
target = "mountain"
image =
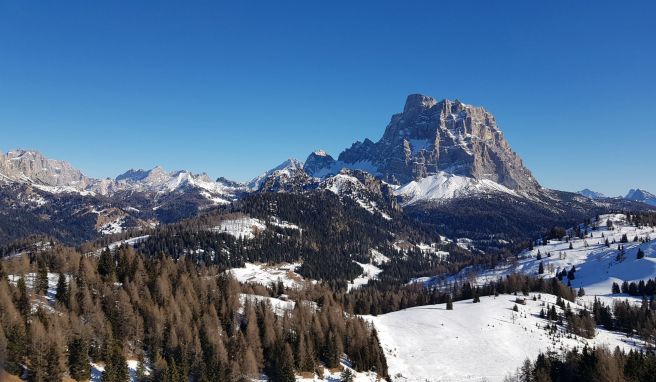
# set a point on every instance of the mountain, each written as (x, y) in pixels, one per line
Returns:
(443, 186)
(278, 175)
(643, 196)
(588, 193)
(42, 196)
(27, 166)
(365, 189)
(431, 137)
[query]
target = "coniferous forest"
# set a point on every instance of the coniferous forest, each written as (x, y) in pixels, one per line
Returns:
(186, 320)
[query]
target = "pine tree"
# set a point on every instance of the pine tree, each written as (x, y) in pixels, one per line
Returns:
(640, 254)
(41, 282)
(581, 292)
(616, 288)
(61, 293)
(116, 368)
(449, 303)
(54, 368)
(106, 266)
(3, 348)
(78, 359)
(347, 375)
(24, 306)
(541, 268)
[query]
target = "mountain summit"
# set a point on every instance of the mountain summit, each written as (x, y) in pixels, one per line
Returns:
(432, 137)
(643, 196)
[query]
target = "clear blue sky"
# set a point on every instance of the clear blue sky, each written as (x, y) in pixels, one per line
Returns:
(235, 88)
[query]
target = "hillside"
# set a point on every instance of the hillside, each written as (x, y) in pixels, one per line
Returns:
(476, 342)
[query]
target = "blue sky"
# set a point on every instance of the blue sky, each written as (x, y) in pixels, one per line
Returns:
(235, 88)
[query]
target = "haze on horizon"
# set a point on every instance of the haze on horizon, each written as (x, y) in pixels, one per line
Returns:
(235, 89)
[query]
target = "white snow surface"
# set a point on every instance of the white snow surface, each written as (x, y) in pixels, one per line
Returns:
(265, 274)
(280, 307)
(597, 266)
(369, 272)
(243, 227)
(444, 186)
(473, 342)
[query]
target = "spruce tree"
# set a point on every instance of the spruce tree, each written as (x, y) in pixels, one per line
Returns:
(54, 369)
(347, 375)
(640, 254)
(78, 359)
(116, 368)
(61, 293)
(541, 268)
(24, 306)
(41, 283)
(106, 266)
(449, 303)
(616, 288)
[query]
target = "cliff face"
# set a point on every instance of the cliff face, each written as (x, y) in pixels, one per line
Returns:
(446, 136)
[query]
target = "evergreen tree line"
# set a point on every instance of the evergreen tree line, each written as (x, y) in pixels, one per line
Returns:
(588, 365)
(185, 320)
(628, 317)
(641, 288)
(380, 298)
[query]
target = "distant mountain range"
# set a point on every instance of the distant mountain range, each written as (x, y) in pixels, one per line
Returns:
(444, 163)
(636, 195)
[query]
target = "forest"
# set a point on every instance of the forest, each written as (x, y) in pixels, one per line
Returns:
(186, 321)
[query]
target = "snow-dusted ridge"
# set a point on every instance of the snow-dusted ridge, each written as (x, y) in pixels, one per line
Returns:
(445, 186)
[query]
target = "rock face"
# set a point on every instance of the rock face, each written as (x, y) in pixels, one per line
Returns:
(32, 167)
(319, 164)
(642, 196)
(429, 137)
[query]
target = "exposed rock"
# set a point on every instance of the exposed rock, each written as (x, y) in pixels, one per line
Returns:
(429, 137)
(642, 196)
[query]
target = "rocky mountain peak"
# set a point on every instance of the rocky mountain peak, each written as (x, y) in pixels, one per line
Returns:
(31, 166)
(319, 164)
(430, 137)
(643, 196)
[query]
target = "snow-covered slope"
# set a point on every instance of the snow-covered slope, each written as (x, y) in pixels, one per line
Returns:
(597, 266)
(362, 188)
(473, 342)
(285, 169)
(265, 274)
(444, 186)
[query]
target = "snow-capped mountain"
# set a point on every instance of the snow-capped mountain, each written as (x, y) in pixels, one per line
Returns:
(643, 196)
(431, 137)
(588, 193)
(283, 172)
(444, 186)
(56, 176)
(158, 181)
(363, 188)
(28, 166)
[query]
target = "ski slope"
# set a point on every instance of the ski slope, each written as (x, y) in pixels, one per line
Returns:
(473, 342)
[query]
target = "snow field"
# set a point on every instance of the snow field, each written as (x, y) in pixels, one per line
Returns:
(474, 342)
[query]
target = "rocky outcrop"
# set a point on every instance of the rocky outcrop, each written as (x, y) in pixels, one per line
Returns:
(320, 164)
(430, 137)
(642, 196)
(28, 166)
